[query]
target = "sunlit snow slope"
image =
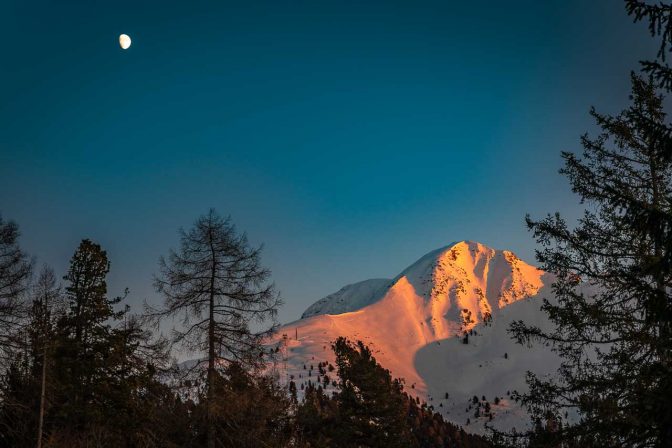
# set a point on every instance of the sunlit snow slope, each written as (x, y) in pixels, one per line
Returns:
(416, 323)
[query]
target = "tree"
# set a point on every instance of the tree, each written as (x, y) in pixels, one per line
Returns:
(105, 364)
(250, 410)
(369, 399)
(46, 306)
(317, 420)
(15, 271)
(26, 384)
(83, 333)
(216, 284)
(659, 18)
(613, 274)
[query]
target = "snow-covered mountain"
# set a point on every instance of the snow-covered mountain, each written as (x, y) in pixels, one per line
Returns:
(350, 298)
(416, 324)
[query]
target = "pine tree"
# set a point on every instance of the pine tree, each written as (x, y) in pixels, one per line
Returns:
(613, 316)
(216, 283)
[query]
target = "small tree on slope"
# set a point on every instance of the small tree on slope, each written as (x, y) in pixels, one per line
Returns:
(616, 342)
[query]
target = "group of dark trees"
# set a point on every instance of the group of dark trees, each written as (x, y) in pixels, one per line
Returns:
(72, 364)
(80, 370)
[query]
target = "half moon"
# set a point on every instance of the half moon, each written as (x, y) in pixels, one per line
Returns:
(124, 41)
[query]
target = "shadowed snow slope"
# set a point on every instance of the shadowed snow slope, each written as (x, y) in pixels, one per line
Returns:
(415, 325)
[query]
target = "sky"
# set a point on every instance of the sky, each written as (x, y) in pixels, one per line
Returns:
(350, 138)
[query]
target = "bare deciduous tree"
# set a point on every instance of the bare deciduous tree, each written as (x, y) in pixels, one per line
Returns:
(47, 304)
(15, 271)
(216, 284)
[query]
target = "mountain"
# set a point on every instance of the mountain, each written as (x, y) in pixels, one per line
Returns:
(416, 326)
(350, 298)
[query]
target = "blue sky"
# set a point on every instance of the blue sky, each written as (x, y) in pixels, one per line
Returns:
(349, 137)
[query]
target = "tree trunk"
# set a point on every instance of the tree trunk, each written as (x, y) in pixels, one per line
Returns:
(661, 307)
(211, 352)
(43, 386)
(42, 397)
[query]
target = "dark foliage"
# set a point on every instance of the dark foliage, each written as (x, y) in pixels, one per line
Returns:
(371, 409)
(613, 316)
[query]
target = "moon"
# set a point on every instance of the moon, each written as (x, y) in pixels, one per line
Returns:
(124, 41)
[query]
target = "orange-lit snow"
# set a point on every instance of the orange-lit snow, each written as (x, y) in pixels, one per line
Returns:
(416, 324)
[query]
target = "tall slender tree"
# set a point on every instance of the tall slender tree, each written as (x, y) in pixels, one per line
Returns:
(215, 282)
(613, 316)
(106, 365)
(84, 333)
(15, 271)
(46, 306)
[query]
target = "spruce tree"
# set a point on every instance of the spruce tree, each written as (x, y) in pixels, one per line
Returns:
(612, 312)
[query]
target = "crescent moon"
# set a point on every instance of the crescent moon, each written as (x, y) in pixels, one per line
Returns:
(124, 41)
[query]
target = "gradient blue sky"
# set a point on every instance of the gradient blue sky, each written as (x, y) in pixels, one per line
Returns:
(349, 137)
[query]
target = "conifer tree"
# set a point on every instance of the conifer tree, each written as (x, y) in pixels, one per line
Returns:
(84, 333)
(613, 274)
(105, 364)
(369, 399)
(215, 282)
(659, 18)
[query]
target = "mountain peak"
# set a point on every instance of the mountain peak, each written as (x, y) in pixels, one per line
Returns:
(465, 282)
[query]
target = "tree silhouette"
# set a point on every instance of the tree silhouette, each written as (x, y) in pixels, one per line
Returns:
(216, 284)
(613, 316)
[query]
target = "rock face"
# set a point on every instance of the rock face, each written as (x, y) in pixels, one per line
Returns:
(416, 325)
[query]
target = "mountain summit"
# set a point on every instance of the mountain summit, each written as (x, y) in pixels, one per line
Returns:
(463, 283)
(440, 324)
